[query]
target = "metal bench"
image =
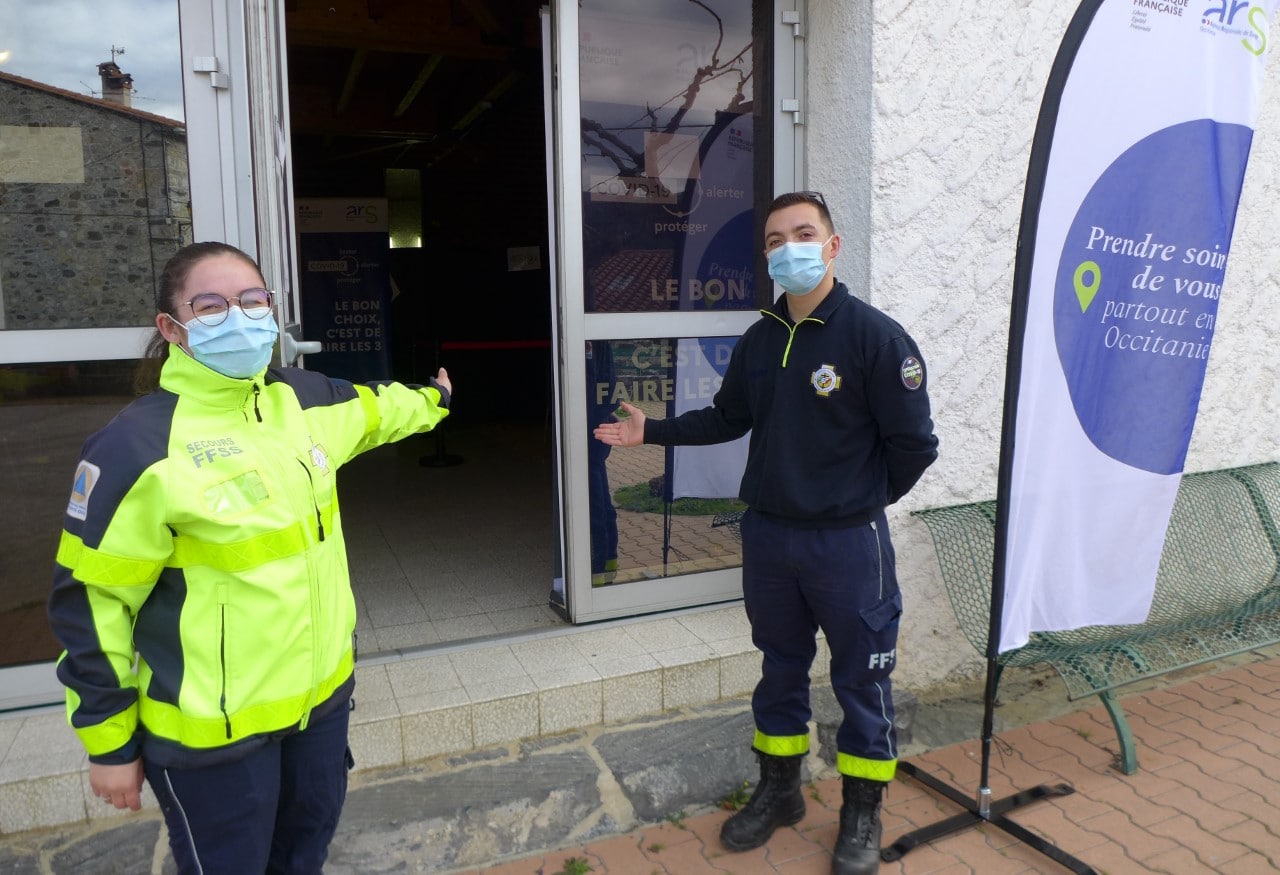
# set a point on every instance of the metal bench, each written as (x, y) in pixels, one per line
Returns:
(1217, 591)
(730, 518)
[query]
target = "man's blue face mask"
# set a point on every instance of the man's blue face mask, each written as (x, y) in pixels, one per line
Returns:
(798, 267)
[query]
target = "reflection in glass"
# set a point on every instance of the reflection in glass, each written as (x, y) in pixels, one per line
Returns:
(94, 192)
(661, 511)
(94, 198)
(669, 155)
(46, 412)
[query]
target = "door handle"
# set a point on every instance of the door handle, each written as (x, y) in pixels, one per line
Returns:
(292, 347)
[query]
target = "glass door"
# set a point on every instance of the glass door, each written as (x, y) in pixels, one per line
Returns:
(665, 155)
(99, 148)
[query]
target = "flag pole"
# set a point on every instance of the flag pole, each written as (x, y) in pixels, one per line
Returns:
(981, 809)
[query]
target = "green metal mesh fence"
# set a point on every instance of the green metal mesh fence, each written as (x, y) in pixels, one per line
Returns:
(1217, 591)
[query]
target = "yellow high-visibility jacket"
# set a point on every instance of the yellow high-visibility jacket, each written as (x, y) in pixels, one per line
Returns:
(203, 535)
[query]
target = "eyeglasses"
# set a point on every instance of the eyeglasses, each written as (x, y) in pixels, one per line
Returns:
(210, 309)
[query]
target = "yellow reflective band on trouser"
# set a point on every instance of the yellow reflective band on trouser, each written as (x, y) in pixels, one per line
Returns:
(872, 770)
(251, 552)
(166, 721)
(372, 416)
(95, 566)
(781, 745)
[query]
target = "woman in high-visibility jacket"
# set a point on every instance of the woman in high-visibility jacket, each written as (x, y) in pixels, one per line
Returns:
(201, 592)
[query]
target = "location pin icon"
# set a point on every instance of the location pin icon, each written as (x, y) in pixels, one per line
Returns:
(1085, 291)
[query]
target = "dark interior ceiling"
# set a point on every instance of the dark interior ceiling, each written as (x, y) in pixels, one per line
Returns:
(439, 85)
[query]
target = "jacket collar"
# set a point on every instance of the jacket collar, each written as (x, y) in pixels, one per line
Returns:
(183, 375)
(837, 296)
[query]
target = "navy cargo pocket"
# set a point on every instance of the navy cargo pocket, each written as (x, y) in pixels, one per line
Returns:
(880, 615)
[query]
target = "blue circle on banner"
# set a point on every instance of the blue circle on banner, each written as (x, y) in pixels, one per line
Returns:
(1136, 294)
(730, 247)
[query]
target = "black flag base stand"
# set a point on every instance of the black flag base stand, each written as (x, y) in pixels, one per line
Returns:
(973, 816)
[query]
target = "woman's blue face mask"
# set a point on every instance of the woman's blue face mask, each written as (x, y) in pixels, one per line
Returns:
(237, 347)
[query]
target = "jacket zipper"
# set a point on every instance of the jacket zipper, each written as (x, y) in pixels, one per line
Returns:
(791, 331)
(315, 644)
(319, 518)
(306, 716)
(222, 658)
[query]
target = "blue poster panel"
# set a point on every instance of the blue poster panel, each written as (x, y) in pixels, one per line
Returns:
(346, 286)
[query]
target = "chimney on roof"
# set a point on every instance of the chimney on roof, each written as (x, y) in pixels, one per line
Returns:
(117, 87)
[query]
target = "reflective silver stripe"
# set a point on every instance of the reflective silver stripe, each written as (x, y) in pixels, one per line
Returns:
(888, 724)
(888, 728)
(186, 824)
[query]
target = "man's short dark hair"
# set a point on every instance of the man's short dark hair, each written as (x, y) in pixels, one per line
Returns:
(814, 198)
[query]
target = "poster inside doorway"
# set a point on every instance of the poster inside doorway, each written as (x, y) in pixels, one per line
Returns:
(346, 286)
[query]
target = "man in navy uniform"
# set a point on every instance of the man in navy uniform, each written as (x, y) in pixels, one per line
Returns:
(834, 394)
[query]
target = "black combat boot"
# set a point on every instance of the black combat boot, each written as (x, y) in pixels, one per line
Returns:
(858, 847)
(776, 801)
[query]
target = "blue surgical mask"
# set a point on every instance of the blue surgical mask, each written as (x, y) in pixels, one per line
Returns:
(239, 347)
(798, 267)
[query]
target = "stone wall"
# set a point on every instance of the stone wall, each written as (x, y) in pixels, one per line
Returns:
(93, 201)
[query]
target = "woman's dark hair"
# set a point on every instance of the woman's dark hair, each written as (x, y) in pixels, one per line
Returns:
(172, 279)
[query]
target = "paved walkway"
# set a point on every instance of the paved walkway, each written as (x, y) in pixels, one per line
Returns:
(1205, 800)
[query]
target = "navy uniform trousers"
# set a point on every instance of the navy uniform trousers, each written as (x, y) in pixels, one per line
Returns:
(273, 811)
(843, 581)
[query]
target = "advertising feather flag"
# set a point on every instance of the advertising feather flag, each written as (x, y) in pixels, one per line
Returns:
(1136, 172)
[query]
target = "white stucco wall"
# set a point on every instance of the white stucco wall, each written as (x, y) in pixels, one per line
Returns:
(923, 167)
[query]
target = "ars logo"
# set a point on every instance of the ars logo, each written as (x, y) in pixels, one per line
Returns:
(1223, 17)
(1226, 10)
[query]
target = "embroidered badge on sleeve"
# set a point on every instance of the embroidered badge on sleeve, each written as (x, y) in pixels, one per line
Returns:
(87, 475)
(912, 373)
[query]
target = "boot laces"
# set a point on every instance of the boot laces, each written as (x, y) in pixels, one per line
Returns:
(864, 810)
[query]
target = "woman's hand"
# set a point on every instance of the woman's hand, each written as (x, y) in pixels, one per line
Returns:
(119, 785)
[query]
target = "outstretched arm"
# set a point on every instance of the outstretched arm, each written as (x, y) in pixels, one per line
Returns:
(626, 432)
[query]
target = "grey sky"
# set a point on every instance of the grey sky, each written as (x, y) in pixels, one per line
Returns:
(61, 43)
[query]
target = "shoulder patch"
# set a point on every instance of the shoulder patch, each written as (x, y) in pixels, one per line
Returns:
(912, 373)
(86, 478)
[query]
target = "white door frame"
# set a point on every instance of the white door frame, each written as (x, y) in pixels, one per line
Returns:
(584, 602)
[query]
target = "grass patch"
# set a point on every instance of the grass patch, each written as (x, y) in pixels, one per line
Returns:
(647, 498)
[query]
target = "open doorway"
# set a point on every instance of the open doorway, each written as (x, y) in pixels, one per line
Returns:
(437, 106)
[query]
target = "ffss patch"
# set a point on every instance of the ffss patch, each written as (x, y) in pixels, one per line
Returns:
(825, 380)
(912, 373)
